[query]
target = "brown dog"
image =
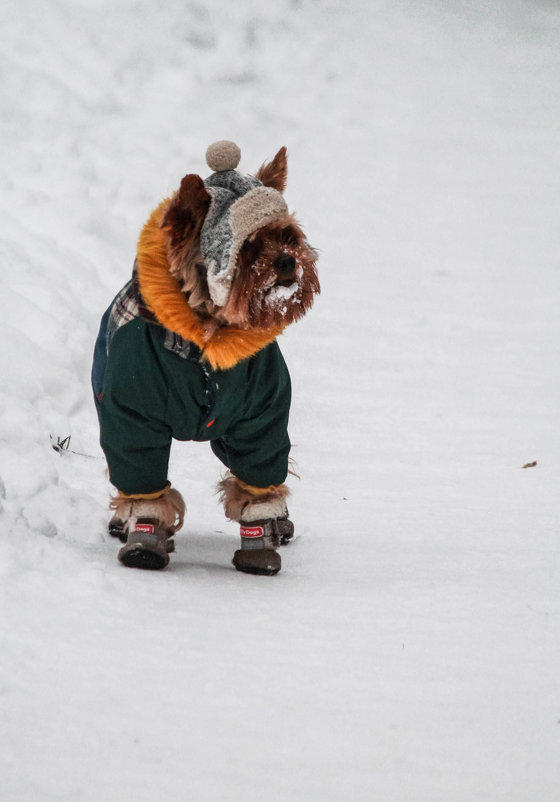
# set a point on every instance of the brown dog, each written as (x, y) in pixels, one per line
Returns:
(188, 350)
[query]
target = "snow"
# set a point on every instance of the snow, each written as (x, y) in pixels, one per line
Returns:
(409, 649)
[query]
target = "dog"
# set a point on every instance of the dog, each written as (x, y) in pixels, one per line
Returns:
(187, 350)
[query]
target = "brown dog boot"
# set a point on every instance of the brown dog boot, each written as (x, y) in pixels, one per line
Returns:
(116, 528)
(263, 516)
(149, 525)
(147, 545)
(259, 541)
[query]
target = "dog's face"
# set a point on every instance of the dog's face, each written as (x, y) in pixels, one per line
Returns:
(276, 278)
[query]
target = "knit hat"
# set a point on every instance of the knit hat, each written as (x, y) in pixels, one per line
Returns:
(239, 206)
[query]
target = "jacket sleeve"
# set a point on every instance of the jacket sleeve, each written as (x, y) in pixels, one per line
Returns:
(257, 446)
(135, 436)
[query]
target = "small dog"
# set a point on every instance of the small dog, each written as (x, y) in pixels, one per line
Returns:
(188, 351)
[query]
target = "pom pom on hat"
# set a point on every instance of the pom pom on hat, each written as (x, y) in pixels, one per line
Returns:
(222, 155)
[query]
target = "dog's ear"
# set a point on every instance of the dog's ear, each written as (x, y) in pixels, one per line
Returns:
(275, 173)
(183, 219)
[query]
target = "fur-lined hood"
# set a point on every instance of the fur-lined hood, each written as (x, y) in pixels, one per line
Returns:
(162, 295)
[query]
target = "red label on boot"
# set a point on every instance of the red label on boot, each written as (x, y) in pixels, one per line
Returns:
(252, 531)
(149, 528)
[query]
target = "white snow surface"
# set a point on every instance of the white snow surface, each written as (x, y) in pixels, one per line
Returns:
(409, 651)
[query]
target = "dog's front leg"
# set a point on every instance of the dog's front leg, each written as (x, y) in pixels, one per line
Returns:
(264, 524)
(136, 440)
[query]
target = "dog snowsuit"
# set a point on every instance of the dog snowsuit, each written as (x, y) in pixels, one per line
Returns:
(153, 384)
(162, 372)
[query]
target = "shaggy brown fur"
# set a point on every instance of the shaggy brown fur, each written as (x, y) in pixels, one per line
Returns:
(276, 280)
(238, 498)
(169, 509)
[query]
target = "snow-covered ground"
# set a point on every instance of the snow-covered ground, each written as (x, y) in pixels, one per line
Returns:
(410, 649)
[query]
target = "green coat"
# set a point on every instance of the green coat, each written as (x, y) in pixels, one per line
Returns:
(149, 391)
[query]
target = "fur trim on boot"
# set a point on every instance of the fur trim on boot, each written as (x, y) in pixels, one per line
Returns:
(169, 509)
(244, 503)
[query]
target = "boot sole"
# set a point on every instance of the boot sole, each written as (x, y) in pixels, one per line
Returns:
(262, 562)
(141, 557)
(246, 569)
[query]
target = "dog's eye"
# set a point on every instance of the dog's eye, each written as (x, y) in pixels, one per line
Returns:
(250, 250)
(290, 236)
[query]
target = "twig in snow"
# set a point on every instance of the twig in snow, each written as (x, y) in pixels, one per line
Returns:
(63, 446)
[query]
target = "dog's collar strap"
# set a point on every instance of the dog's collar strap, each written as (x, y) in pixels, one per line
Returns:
(162, 295)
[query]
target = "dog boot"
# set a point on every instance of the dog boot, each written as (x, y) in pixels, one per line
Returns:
(263, 515)
(259, 541)
(147, 545)
(149, 526)
(117, 528)
(285, 529)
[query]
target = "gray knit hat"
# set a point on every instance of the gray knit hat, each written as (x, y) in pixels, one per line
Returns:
(240, 205)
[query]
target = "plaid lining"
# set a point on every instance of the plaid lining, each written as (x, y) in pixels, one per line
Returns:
(128, 305)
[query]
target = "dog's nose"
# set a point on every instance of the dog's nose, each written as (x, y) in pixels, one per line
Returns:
(285, 265)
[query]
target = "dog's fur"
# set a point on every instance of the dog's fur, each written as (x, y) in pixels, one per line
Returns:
(264, 294)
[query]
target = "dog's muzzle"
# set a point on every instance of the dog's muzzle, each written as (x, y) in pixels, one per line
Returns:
(285, 267)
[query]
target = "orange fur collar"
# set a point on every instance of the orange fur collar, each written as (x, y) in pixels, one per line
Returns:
(163, 296)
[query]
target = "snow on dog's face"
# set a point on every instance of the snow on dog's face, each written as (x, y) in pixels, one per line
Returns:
(275, 278)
